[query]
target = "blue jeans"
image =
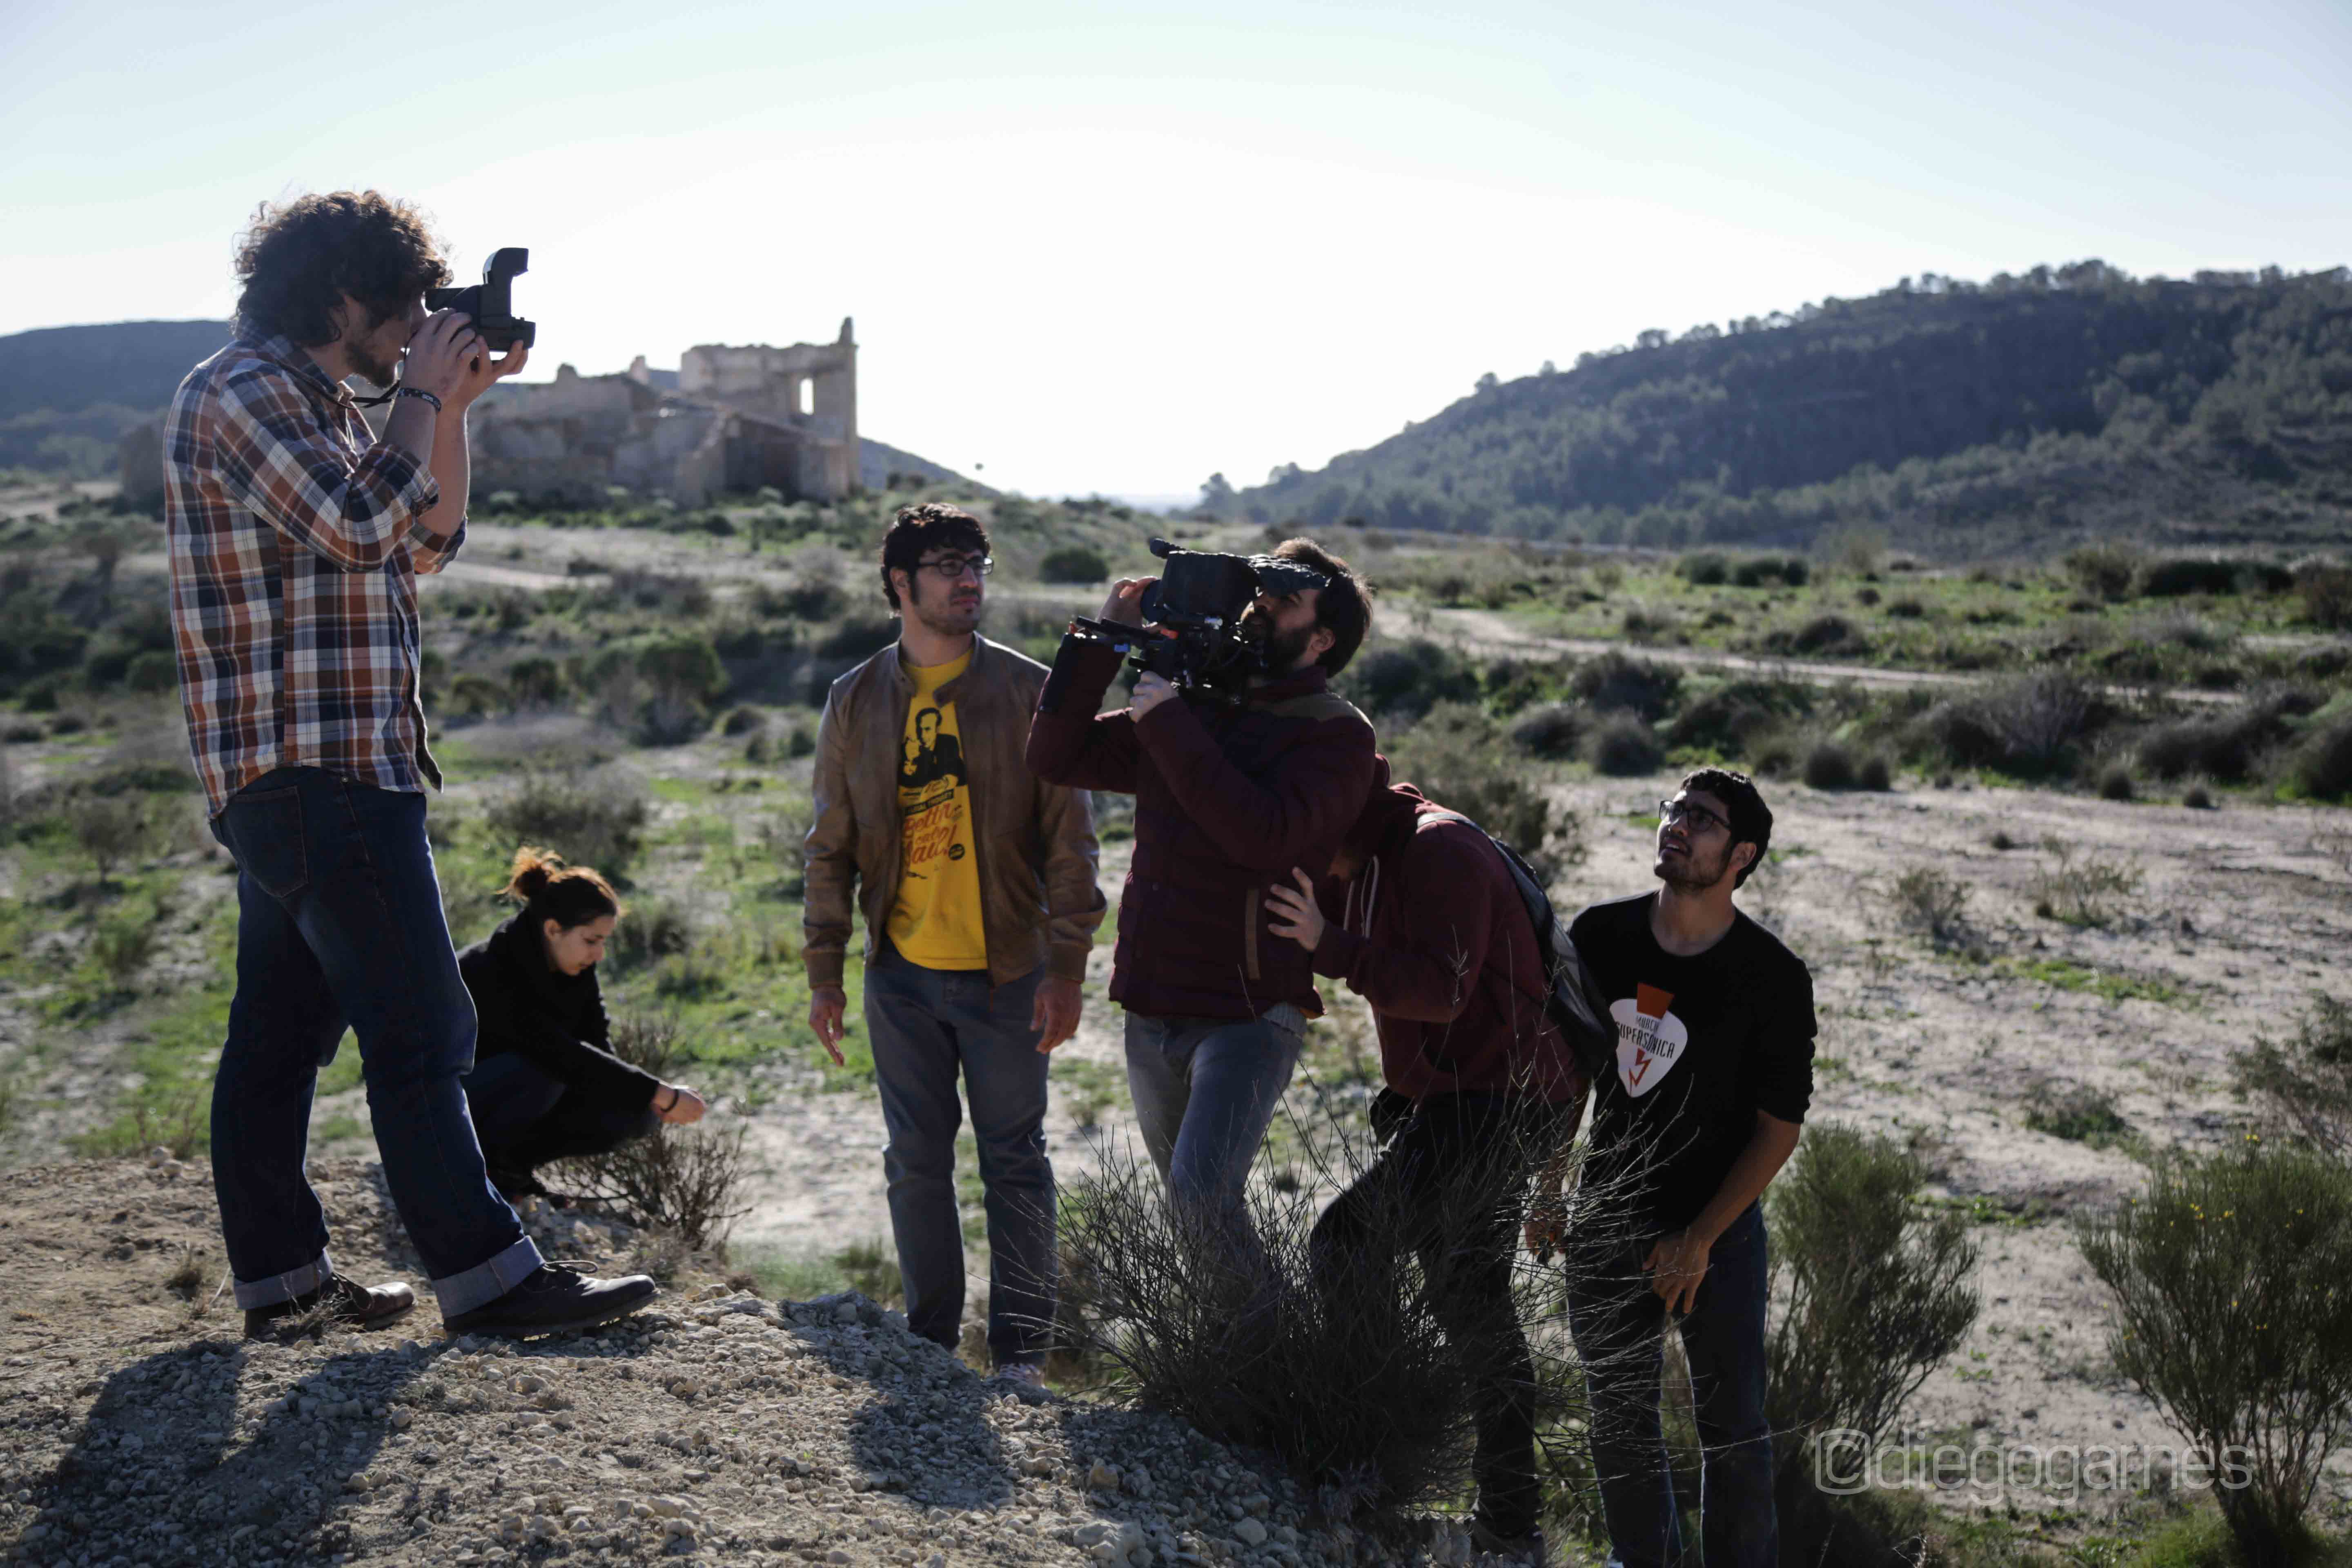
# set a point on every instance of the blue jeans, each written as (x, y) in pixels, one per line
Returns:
(525, 1118)
(1618, 1322)
(1206, 1091)
(339, 922)
(928, 1024)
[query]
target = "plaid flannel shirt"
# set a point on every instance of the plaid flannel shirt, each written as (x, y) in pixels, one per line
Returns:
(294, 556)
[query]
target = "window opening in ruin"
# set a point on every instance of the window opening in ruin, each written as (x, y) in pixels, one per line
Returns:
(804, 395)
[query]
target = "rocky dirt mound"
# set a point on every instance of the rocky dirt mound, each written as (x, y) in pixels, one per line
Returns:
(136, 1427)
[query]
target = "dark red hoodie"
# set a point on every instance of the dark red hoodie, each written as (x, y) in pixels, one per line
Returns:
(1228, 798)
(1431, 932)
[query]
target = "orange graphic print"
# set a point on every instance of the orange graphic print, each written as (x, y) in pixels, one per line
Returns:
(1650, 1039)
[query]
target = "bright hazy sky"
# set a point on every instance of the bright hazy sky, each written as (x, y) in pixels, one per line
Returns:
(1106, 247)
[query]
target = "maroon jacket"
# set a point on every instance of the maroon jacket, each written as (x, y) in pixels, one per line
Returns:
(1228, 798)
(1432, 932)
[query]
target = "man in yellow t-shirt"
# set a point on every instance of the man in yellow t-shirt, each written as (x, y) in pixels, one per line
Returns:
(936, 920)
(976, 880)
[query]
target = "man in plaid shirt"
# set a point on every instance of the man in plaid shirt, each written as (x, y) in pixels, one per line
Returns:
(296, 540)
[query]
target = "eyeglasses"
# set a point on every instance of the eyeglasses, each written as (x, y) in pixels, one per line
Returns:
(1673, 811)
(951, 567)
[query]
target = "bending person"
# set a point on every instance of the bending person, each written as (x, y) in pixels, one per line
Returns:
(545, 1084)
(1429, 926)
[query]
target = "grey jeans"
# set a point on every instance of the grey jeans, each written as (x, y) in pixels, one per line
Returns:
(1206, 1091)
(928, 1024)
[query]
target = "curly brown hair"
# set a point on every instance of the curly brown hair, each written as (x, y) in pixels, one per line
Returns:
(299, 257)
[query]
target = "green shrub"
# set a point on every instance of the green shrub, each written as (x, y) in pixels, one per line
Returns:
(595, 820)
(808, 599)
(1872, 1289)
(2105, 571)
(152, 672)
(1830, 765)
(124, 941)
(1727, 719)
(1458, 757)
(1622, 746)
(2231, 1312)
(857, 639)
(1618, 683)
(2079, 1115)
(2116, 783)
(1073, 563)
(1401, 682)
(653, 930)
(2301, 1087)
(2197, 798)
(1704, 568)
(2227, 746)
(2174, 575)
(1876, 774)
(2325, 589)
(2321, 765)
(742, 721)
(1550, 731)
(1824, 634)
(535, 681)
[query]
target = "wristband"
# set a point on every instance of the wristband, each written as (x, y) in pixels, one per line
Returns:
(666, 1109)
(418, 392)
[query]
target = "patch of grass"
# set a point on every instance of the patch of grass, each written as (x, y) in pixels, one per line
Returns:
(1086, 1088)
(2108, 984)
(871, 1268)
(2081, 1115)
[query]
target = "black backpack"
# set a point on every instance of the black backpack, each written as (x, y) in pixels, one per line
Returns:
(1575, 1005)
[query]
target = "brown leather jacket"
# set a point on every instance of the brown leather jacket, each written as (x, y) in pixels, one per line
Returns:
(1036, 841)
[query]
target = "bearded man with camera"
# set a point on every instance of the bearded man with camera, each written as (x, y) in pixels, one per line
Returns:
(296, 539)
(1237, 780)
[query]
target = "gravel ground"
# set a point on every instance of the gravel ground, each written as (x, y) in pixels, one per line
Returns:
(136, 1428)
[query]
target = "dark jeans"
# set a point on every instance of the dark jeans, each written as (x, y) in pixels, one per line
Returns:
(524, 1118)
(339, 922)
(1206, 1091)
(928, 1024)
(1619, 1323)
(1452, 1186)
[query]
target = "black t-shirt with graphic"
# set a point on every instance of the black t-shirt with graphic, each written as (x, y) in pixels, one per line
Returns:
(1703, 1044)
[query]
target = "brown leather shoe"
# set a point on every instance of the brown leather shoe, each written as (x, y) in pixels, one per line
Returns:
(339, 1301)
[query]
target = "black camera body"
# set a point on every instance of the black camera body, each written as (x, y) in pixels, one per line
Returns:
(491, 302)
(1193, 636)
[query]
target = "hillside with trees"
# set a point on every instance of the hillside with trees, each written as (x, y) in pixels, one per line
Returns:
(1957, 418)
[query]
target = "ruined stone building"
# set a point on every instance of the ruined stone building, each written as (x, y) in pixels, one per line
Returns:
(738, 419)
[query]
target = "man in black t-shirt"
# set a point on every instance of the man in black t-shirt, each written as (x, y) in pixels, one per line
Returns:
(1713, 1068)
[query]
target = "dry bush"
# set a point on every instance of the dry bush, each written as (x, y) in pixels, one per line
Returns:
(683, 1181)
(2028, 725)
(597, 821)
(2230, 1313)
(1339, 1365)
(2084, 887)
(110, 829)
(1935, 905)
(2321, 765)
(1617, 682)
(2325, 588)
(2301, 1087)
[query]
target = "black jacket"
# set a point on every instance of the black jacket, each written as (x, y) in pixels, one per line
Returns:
(557, 1021)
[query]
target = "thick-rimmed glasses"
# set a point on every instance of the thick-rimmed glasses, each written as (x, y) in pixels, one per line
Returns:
(1673, 811)
(948, 568)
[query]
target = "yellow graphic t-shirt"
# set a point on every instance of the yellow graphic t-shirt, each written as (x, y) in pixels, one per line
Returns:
(936, 921)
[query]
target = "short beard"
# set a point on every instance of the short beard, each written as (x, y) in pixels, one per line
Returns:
(915, 604)
(1689, 881)
(1282, 650)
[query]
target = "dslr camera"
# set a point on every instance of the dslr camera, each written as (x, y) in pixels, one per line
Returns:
(1193, 638)
(491, 302)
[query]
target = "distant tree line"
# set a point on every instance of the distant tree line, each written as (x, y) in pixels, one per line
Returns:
(2069, 399)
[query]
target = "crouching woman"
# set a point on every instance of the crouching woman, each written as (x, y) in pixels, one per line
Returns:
(545, 1084)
